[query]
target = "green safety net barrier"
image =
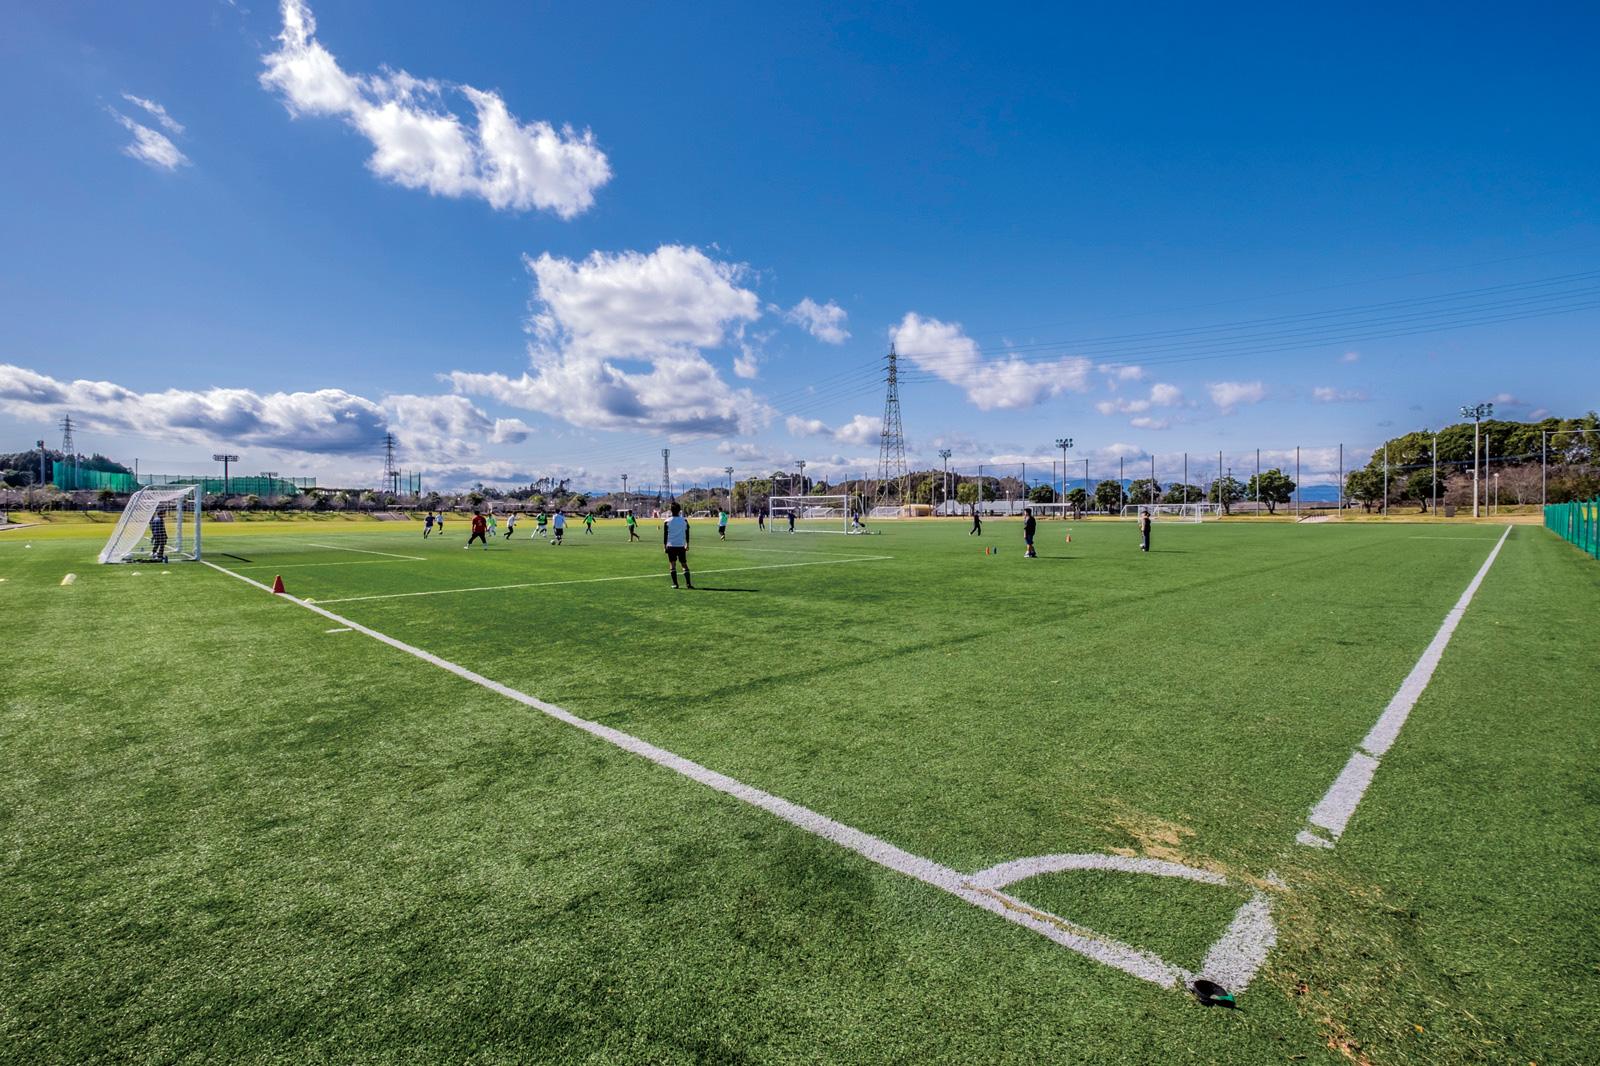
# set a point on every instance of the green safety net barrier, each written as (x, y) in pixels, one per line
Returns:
(63, 476)
(1577, 522)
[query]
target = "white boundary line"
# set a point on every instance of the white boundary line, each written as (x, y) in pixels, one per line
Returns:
(341, 562)
(364, 551)
(1333, 812)
(1232, 960)
(597, 580)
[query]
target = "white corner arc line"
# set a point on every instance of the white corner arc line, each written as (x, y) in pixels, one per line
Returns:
(1104, 950)
(658, 575)
(1007, 873)
(1333, 812)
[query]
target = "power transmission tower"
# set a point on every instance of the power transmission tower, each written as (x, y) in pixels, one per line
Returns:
(69, 451)
(391, 474)
(892, 441)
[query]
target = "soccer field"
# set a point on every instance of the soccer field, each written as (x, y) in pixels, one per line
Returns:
(530, 802)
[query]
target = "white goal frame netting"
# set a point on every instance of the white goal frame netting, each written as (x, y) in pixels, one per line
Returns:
(139, 537)
(812, 514)
(1172, 512)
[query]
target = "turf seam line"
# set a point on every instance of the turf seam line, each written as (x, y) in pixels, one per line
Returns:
(1238, 965)
(1334, 811)
(596, 580)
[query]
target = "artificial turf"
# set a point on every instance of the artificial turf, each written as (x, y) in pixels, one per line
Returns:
(229, 833)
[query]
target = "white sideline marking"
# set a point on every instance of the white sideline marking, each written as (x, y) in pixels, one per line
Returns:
(1008, 873)
(1251, 928)
(341, 629)
(364, 551)
(596, 580)
(1333, 812)
(341, 562)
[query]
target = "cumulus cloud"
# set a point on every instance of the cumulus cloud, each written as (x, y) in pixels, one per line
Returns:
(1164, 395)
(420, 143)
(944, 350)
(1506, 399)
(823, 321)
(1228, 395)
(619, 343)
(326, 422)
(859, 430)
(1329, 394)
(1120, 406)
(1161, 395)
(1118, 373)
(1149, 423)
(148, 146)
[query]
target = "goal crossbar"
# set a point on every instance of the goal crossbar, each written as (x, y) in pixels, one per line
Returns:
(812, 514)
(1180, 512)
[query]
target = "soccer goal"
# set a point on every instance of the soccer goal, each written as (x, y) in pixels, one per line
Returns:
(1051, 510)
(1173, 512)
(158, 525)
(812, 514)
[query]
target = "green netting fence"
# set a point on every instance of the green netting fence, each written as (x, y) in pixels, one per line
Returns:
(67, 478)
(1578, 522)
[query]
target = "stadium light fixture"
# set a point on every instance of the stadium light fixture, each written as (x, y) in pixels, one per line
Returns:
(224, 458)
(1064, 443)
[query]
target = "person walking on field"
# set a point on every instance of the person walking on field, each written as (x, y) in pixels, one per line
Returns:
(1144, 529)
(675, 539)
(977, 522)
(588, 524)
(480, 530)
(1028, 528)
(561, 526)
(722, 525)
(511, 524)
(761, 521)
(633, 527)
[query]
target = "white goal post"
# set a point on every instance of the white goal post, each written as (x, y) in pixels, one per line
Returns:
(158, 525)
(812, 514)
(1176, 512)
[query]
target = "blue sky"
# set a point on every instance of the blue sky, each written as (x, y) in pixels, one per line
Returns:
(552, 239)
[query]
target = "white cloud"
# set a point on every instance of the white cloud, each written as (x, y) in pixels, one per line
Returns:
(1538, 414)
(149, 147)
(1149, 423)
(597, 319)
(859, 430)
(1118, 373)
(431, 430)
(1506, 399)
(1350, 357)
(159, 113)
(418, 142)
(1113, 407)
(1164, 395)
(1328, 394)
(944, 350)
(823, 321)
(1230, 394)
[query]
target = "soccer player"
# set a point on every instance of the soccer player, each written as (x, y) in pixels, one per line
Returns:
(1144, 529)
(158, 539)
(541, 522)
(1027, 534)
(675, 538)
(722, 525)
(479, 529)
(977, 522)
(855, 519)
(633, 527)
(511, 524)
(438, 525)
(427, 525)
(790, 513)
(588, 524)
(561, 526)
(761, 521)
(494, 525)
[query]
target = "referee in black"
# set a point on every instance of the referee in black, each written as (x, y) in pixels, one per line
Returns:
(1144, 529)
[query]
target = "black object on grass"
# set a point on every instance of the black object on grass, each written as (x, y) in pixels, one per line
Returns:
(1211, 994)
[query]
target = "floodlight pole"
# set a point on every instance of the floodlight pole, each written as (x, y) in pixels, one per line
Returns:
(1386, 480)
(729, 471)
(41, 463)
(1476, 412)
(1296, 480)
(1341, 480)
(625, 506)
(800, 464)
(1258, 480)
(1065, 443)
(1544, 464)
(1185, 479)
(224, 458)
(1435, 482)
(944, 482)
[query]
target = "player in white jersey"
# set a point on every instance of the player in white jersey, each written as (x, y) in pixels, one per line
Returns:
(675, 538)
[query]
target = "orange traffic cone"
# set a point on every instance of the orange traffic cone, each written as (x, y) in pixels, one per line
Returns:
(277, 585)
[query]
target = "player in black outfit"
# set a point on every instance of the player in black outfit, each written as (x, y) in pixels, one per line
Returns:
(1027, 534)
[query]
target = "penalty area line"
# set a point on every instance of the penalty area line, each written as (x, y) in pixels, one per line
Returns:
(1334, 811)
(1102, 949)
(597, 580)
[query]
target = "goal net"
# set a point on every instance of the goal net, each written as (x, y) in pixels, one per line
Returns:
(158, 525)
(812, 514)
(1051, 510)
(1174, 512)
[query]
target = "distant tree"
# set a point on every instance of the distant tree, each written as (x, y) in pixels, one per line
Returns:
(1144, 490)
(105, 496)
(1225, 492)
(1042, 494)
(1271, 487)
(1109, 496)
(967, 493)
(1365, 487)
(1078, 498)
(1178, 492)
(252, 501)
(1419, 486)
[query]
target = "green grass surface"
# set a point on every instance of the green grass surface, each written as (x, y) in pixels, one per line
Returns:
(227, 833)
